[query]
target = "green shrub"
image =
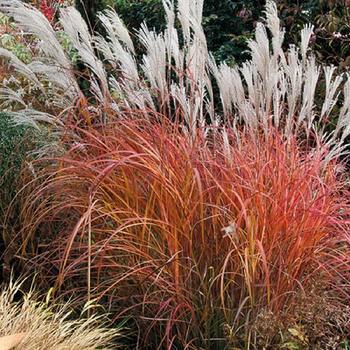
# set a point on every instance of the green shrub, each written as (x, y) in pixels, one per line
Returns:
(227, 24)
(15, 141)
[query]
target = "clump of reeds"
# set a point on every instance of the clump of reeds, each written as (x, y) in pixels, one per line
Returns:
(187, 234)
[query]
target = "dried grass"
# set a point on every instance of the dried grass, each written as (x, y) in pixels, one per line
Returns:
(30, 324)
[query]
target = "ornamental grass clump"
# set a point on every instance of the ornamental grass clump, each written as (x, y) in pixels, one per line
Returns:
(187, 235)
(26, 323)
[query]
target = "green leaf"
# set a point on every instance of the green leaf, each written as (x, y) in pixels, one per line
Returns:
(7, 40)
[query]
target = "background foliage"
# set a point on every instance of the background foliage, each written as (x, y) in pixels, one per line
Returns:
(228, 24)
(14, 143)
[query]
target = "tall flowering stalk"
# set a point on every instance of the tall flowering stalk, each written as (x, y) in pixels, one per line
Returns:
(275, 88)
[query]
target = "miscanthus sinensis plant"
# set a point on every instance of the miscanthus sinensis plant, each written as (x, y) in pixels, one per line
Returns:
(275, 87)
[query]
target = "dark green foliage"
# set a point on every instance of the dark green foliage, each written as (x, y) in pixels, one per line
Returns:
(89, 9)
(14, 144)
(135, 12)
(227, 24)
(12, 152)
(333, 32)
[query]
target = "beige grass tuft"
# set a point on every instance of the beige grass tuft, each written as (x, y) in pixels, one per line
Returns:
(30, 324)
